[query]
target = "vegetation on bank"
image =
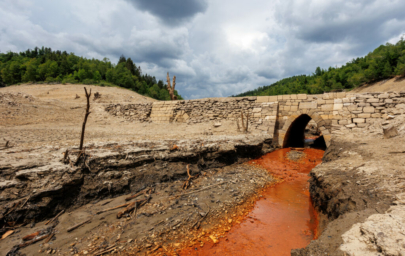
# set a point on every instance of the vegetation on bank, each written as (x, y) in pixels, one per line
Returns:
(42, 65)
(384, 62)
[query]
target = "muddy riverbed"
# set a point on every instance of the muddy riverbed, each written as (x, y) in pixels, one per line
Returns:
(283, 218)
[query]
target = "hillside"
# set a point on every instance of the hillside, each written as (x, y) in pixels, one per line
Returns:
(42, 65)
(384, 63)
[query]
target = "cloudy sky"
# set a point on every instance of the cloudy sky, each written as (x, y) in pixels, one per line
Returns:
(214, 47)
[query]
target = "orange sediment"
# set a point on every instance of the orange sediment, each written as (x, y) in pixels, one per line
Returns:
(281, 220)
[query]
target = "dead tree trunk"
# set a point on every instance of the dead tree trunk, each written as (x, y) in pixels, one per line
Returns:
(171, 88)
(85, 117)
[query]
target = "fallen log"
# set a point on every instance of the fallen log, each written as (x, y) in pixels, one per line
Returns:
(78, 225)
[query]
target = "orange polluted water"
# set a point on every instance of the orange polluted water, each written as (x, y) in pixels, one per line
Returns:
(283, 219)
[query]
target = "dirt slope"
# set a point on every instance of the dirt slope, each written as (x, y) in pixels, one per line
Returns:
(389, 85)
(38, 115)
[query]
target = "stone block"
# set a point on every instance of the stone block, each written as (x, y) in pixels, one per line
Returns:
(362, 125)
(376, 115)
(346, 100)
(286, 97)
(293, 96)
(337, 101)
(343, 122)
(390, 131)
(338, 106)
(329, 101)
(384, 96)
(401, 106)
(368, 109)
(262, 99)
(351, 125)
(359, 120)
(273, 98)
(302, 96)
(340, 94)
(364, 115)
(373, 100)
(294, 108)
(308, 105)
(320, 102)
(257, 110)
(327, 96)
(388, 101)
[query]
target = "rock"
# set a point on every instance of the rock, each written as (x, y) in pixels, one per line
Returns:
(214, 240)
(217, 124)
(390, 131)
(389, 117)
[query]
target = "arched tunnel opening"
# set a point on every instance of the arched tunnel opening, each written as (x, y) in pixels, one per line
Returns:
(300, 134)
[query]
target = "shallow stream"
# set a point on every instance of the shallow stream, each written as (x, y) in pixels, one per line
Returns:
(283, 218)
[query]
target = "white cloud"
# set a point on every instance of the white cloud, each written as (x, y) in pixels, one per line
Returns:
(215, 48)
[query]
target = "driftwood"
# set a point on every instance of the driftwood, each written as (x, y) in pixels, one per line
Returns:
(106, 250)
(85, 117)
(66, 158)
(113, 208)
(78, 225)
(34, 240)
(52, 220)
(133, 206)
(245, 127)
(49, 237)
(8, 233)
(97, 95)
(14, 207)
(137, 194)
(198, 223)
(195, 191)
(186, 184)
(171, 88)
(25, 202)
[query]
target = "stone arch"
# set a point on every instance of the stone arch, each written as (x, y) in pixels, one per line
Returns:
(294, 126)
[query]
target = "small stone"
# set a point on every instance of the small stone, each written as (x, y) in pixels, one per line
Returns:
(217, 124)
(390, 132)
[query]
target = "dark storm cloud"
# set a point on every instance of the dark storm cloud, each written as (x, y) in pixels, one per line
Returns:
(172, 11)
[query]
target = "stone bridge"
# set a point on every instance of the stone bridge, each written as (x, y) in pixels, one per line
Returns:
(282, 117)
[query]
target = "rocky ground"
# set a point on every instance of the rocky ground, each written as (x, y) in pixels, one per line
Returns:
(358, 189)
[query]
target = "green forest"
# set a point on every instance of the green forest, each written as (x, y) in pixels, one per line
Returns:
(42, 65)
(384, 62)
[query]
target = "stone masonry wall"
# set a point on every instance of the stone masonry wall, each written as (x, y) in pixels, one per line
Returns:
(331, 111)
(262, 115)
(134, 112)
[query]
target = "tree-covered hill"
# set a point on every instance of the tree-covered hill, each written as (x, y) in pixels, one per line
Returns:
(44, 65)
(384, 62)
